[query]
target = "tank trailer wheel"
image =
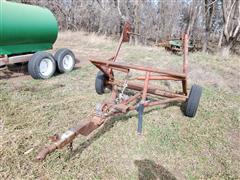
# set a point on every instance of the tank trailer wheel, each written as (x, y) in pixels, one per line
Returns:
(42, 65)
(193, 101)
(100, 82)
(65, 60)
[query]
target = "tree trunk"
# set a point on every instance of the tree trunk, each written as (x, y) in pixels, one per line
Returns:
(208, 13)
(220, 40)
(231, 29)
(136, 21)
(205, 41)
(194, 8)
(225, 51)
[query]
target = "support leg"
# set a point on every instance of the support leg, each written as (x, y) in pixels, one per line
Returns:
(140, 110)
(184, 87)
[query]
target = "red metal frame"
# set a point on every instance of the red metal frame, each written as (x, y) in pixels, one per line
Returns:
(117, 104)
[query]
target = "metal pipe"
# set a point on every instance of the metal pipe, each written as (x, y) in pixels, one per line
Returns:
(157, 103)
(149, 104)
(151, 89)
(145, 87)
(131, 99)
(118, 49)
(124, 38)
(140, 107)
(160, 78)
(84, 128)
(185, 54)
(113, 65)
(185, 63)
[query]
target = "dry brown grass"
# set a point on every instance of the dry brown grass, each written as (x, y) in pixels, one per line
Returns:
(172, 145)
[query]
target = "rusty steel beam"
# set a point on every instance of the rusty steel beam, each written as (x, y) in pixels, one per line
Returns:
(155, 91)
(185, 54)
(112, 65)
(145, 87)
(158, 103)
(185, 63)
(151, 89)
(131, 99)
(125, 37)
(160, 78)
(84, 128)
(162, 102)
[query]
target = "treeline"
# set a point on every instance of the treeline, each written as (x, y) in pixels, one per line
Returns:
(214, 24)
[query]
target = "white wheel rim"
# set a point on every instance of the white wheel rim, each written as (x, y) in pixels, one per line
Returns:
(46, 67)
(68, 62)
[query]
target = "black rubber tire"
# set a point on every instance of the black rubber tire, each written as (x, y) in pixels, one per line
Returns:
(34, 65)
(193, 101)
(100, 82)
(59, 56)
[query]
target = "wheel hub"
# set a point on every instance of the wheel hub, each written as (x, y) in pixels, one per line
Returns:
(68, 62)
(46, 67)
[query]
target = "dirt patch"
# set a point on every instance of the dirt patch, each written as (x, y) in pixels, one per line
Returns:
(234, 139)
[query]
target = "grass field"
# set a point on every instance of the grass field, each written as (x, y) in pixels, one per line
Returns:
(172, 146)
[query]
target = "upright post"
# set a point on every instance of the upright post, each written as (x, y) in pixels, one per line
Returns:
(124, 38)
(185, 54)
(140, 108)
(118, 49)
(185, 63)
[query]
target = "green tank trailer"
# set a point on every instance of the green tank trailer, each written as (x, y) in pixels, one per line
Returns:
(26, 31)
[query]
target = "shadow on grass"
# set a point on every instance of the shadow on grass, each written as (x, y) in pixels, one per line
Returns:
(107, 127)
(58, 73)
(102, 130)
(14, 71)
(21, 69)
(149, 170)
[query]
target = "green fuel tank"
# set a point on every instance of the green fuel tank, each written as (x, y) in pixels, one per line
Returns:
(26, 28)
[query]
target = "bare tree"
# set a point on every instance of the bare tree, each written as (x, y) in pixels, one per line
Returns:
(209, 8)
(215, 21)
(192, 15)
(231, 29)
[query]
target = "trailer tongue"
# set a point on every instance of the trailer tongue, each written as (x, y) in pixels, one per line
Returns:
(142, 94)
(84, 128)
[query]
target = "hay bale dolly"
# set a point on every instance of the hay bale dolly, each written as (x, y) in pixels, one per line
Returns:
(141, 95)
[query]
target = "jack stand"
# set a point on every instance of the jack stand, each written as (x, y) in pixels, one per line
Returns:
(140, 110)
